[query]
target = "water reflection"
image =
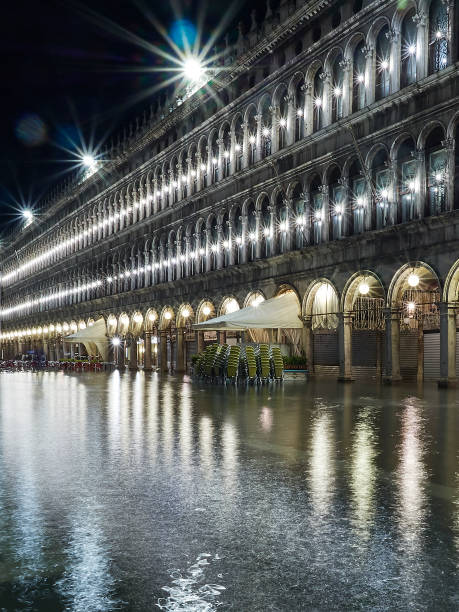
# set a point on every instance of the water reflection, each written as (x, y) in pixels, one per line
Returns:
(321, 470)
(315, 495)
(363, 473)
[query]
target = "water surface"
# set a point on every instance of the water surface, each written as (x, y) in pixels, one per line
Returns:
(136, 492)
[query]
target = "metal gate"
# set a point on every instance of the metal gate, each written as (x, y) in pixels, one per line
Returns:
(326, 348)
(432, 355)
(409, 355)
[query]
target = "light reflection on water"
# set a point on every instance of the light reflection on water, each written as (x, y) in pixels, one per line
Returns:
(315, 496)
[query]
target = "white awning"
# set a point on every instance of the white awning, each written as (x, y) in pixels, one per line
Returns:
(278, 312)
(93, 337)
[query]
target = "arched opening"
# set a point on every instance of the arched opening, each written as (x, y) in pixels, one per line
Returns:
(281, 233)
(382, 196)
(408, 49)
(358, 77)
(213, 245)
(382, 77)
(251, 232)
(266, 229)
(363, 307)
(266, 126)
(237, 236)
(337, 204)
(283, 117)
(438, 36)
(337, 87)
(252, 136)
(299, 217)
(415, 299)
(203, 164)
(437, 172)
(238, 144)
(226, 142)
(359, 203)
(226, 240)
(300, 106)
(408, 185)
(317, 212)
(322, 308)
(214, 158)
(318, 101)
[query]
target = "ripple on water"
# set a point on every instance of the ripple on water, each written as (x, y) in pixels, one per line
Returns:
(189, 591)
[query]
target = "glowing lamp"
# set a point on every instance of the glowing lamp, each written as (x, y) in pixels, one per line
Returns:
(384, 64)
(337, 92)
(282, 122)
(168, 315)
(151, 316)
(413, 280)
(266, 132)
(206, 310)
(318, 102)
(116, 341)
(185, 313)
(411, 306)
(411, 49)
(360, 78)
(252, 140)
(88, 161)
(237, 148)
(299, 112)
(364, 288)
(138, 318)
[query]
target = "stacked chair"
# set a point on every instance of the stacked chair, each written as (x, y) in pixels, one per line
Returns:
(249, 364)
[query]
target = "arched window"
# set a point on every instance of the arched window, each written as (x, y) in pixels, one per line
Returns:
(265, 127)
(213, 245)
(252, 232)
(237, 235)
(407, 180)
(172, 257)
(182, 256)
(226, 246)
(337, 92)
(203, 170)
(194, 252)
(201, 250)
(266, 229)
(317, 211)
(299, 102)
(318, 101)
(358, 78)
(408, 49)
(214, 161)
(252, 136)
(382, 79)
(383, 188)
(337, 205)
(226, 161)
(438, 36)
(357, 186)
(283, 113)
(282, 215)
(437, 173)
(194, 170)
(238, 145)
(299, 217)
(174, 180)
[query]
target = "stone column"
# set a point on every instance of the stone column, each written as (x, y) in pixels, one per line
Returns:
(133, 354)
(275, 127)
(147, 353)
(345, 64)
(308, 342)
(325, 229)
(394, 62)
(200, 341)
(291, 119)
(245, 145)
(370, 56)
(447, 345)
(345, 347)
(449, 145)
(121, 355)
(219, 254)
(392, 346)
(259, 143)
(422, 52)
(257, 235)
(180, 334)
(422, 198)
(163, 350)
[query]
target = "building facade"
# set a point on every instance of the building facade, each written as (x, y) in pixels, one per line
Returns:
(320, 158)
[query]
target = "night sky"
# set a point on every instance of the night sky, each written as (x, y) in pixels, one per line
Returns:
(61, 68)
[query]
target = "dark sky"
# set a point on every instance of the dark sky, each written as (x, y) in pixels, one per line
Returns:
(61, 67)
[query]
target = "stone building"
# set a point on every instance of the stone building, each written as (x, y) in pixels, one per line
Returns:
(319, 158)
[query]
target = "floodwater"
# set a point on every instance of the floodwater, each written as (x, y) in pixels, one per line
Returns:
(136, 492)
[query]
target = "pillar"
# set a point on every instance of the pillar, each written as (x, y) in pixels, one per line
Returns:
(147, 354)
(345, 346)
(163, 350)
(447, 345)
(221, 337)
(121, 355)
(180, 334)
(392, 346)
(200, 341)
(133, 354)
(308, 342)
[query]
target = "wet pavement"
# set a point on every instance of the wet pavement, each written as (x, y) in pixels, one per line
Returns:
(136, 492)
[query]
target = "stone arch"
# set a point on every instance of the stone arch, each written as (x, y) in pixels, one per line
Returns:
(151, 319)
(254, 297)
(123, 324)
(379, 23)
(330, 295)
(422, 270)
(166, 318)
(228, 304)
(185, 314)
(112, 325)
(205, 310)
(353, 288)
(136, 326)
(400, 139)
(426, 130)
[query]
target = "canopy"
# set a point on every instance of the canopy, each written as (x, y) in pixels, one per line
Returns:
(94, 338)
(279, 312)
